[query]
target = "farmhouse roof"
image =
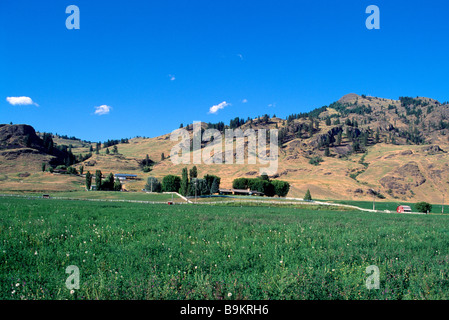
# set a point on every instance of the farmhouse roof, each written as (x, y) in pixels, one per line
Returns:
(125, 175)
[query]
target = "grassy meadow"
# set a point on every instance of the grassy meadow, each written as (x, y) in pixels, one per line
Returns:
(391, 206)
(141, 251)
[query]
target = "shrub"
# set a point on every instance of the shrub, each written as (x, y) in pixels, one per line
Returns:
(240, 183)
(72, 170)
(316, 160)
(423, 207)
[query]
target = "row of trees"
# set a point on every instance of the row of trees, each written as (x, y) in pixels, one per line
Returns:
(190, 185)
(108, 184)
(61, 168)
(263, 184)
(187, 185)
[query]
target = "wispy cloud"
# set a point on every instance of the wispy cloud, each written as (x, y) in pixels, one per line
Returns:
(21, 101)
(214, 109)
(102, 110)
(240, 56)
(272, 105)
(172, 77)
(244, 101)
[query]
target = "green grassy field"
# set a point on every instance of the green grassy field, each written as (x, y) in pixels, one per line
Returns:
(108, 195)
(391, 206)
(140, 251)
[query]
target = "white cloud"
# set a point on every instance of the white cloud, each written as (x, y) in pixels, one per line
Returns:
(172, 77)
(102, 110)
(244, 101)
(240, 56)
(21, 101)
(214, 109)
(272, 105)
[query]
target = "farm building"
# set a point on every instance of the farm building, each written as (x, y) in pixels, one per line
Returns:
(403, 209)
(123, 176)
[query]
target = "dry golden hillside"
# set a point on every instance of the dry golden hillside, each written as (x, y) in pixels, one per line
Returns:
(394, 148)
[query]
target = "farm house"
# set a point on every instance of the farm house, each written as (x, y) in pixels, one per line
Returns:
(403, 209)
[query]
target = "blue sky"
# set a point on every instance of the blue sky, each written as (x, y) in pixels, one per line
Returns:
(161, 63)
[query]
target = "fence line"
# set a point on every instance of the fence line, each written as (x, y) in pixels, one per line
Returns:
(298, 201)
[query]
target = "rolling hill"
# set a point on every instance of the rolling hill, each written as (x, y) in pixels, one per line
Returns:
(368, 147)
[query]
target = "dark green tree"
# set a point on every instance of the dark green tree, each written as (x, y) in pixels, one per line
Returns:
(281, 188)
(117, 185)
(184, 182)
(153, 185)
(43, 166)
(171, 183)
(240, 183)
(193, 173)
(339, 137)
(215, 187)
(108, 183)
(423, 207)
(308, 196)
(210, 179)
(88, 180)
(98, 179)
(198, 187)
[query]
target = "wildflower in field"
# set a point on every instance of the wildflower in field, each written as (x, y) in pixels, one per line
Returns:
(14, 291)
(17, 284)
(229, 294)
(72, 291)
(67, 254)
(280, 262)
(35, 253)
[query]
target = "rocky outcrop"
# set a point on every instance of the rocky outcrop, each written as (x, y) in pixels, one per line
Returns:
(404, 178)
(433, 149)
(19, 136)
